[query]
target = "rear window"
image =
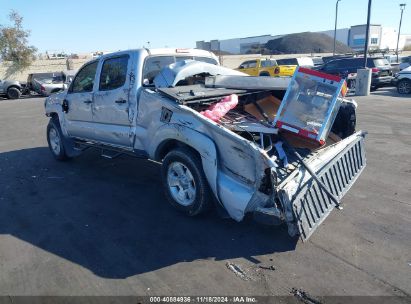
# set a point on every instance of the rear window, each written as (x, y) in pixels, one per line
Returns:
(287, 61)
(268, 63)
(153, 65)
(381, 62)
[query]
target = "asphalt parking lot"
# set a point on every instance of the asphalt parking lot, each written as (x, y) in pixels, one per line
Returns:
(93, 226)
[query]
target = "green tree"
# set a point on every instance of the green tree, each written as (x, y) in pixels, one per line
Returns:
(14, 44)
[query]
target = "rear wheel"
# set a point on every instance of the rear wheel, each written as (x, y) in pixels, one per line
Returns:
(13, 93)
(404, 86)
(55, 139)
(184, 182)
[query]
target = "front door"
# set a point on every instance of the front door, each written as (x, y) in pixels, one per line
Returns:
(111, 102)
(79, 100)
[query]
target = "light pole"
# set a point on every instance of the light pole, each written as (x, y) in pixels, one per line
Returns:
(402, 8)
(335, 28)
(367, 33)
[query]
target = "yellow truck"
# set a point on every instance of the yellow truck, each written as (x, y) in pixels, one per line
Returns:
(266, 67)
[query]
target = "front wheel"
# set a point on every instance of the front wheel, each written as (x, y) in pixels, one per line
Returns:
(55, 140)
(404, 86)
(184, 182)
(13, 93)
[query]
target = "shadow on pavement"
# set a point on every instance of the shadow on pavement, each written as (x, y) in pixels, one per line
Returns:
(110, 216)
(389, 91)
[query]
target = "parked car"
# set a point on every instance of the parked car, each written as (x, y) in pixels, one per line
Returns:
(381, 69)
(12, 89)
(49, 83)
(32, 85)
(402, 81)
(148, 104)
(266, 67)
(405, 62)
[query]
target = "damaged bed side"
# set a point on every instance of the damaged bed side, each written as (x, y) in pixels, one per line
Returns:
(300, 187)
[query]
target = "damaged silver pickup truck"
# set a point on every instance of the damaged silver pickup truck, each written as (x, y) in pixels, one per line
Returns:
(151, 104)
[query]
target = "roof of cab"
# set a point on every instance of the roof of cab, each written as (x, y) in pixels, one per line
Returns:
(165, 51)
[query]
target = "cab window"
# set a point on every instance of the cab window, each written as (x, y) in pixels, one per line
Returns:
(268, 63)
(252, 64)
(153, 66)
(113, 73)
(84, 80)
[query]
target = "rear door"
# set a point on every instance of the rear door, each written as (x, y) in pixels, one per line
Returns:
(79, 99)
(111, 104)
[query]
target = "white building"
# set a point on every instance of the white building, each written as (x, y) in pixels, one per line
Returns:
(380, 38)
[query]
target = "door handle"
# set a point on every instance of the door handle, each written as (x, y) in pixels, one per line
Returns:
(121, 101)
(87, 101)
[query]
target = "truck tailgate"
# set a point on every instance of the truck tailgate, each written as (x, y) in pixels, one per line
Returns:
(338, 167)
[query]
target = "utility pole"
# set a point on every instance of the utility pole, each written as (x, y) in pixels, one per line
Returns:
(335, 28)
(367, 34)
(363, 80)
(402, 8)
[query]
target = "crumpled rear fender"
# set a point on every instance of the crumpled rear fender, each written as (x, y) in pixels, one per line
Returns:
(198, 141)
(235, 195)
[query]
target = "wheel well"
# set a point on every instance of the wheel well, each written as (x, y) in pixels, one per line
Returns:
(168, 145)
(14, 86)
(55, 90)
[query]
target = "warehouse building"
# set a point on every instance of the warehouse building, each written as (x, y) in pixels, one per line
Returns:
(380, 38)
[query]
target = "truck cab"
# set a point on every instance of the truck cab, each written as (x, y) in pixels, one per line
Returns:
(101, 101)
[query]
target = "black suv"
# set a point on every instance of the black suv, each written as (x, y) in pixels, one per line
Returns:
(381, 69)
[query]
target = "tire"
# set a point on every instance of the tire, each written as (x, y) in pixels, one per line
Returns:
(374, 88)
(184, 182)
(404, 86)
(55, 140)
(13, 93)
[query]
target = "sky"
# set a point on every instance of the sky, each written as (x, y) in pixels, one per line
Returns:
(84, 26)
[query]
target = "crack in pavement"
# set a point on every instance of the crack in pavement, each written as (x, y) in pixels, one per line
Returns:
(361, 269)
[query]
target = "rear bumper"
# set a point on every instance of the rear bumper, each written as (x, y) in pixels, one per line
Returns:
(382, 81)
